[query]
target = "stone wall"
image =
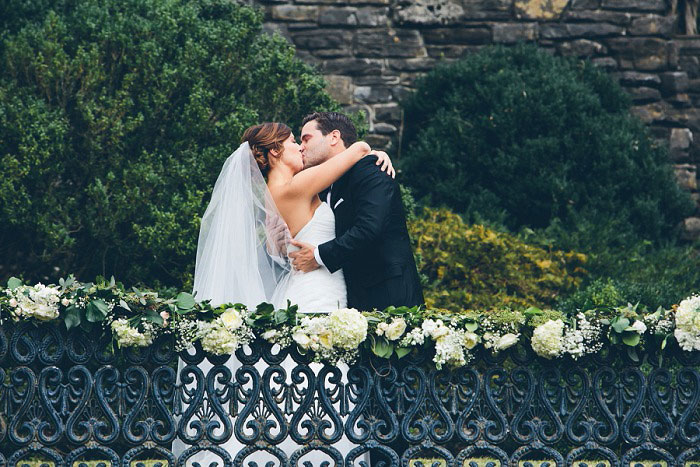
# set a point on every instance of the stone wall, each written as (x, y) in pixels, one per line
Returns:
(372, 50)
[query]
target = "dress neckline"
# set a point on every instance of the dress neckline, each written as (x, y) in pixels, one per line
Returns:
(313, 216)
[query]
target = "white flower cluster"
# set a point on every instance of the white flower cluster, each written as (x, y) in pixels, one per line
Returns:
(452, 345)
(348, 328)
(503, 335)
(585, 339)
(688, 323)
(334, 337)
(128, 336)
(414, 337)
(392, 331)
(281, 336)
(554, 338)
(39, 302)
(225, 334)
(547, 339)
(498, 342)
(186, 331)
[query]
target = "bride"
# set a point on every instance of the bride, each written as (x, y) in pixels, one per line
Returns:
(262, 200)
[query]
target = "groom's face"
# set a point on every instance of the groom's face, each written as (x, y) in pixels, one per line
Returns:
(315, 147)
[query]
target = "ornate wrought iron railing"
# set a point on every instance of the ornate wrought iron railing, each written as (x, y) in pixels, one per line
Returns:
(67, 398)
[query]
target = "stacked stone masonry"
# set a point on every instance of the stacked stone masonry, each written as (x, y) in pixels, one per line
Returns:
(371, 51)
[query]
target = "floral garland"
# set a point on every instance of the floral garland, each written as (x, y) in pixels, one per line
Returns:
(136, 318)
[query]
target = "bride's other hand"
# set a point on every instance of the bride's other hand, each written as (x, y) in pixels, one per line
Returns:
(385, 161)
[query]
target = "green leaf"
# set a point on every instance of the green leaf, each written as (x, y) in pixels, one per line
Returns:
(124, 305)
(664, 342)
(71, 317)
(13, 283)
(153, 317)
(402, 351)
(632, 353)
(620, 325)
(382, 348)
(185, 301)
(279, 317)
(266, 308)
(532, 311)
(631, 338)
(96, 311)
(471, 326)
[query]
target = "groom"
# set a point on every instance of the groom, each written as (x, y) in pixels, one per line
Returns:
(371, 245)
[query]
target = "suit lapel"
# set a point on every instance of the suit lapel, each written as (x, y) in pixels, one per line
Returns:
(338, 190)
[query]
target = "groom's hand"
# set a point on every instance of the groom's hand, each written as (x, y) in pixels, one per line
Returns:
(303, 260)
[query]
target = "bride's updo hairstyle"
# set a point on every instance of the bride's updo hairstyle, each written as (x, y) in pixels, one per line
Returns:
(263, 138)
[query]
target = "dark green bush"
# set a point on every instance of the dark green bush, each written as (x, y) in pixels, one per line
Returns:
(115, 119)
(519, 136)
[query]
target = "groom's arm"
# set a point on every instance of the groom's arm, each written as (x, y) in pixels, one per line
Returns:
(373, 191)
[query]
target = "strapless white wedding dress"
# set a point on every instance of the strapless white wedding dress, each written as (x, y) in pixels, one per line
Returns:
(317, 291)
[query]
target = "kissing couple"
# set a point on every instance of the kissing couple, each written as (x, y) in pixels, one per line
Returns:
(319, 223)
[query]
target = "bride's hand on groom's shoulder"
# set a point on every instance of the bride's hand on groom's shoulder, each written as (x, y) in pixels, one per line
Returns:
(385, 161)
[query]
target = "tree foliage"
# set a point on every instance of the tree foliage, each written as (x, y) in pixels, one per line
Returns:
(521, 137)
(115, 119)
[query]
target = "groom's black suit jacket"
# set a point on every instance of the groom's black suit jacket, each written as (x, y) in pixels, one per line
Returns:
(372, 244)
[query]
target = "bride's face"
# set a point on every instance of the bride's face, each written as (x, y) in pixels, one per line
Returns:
(291, 154)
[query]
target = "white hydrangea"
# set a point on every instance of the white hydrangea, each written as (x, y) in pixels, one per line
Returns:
(449, 349)
(687, 331)
(225, 334)
(216, 338)
(128, 336)
(547, 339)
(348, 328)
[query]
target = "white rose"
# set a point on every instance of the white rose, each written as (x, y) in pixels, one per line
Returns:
(302, 340)
(506, 340)
(13, 302)
(231, 319)
(439, 331)
(381, 328)
(396, 329)
(45, 313)
(269, 335)
(470, 340)
(639, 327)
(65, 302)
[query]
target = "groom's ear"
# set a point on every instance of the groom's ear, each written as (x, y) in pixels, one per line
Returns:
(335, 137)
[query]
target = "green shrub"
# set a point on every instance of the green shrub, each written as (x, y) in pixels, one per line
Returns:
(516, 135)
(473, 267)
(653, 274)
(115, 119)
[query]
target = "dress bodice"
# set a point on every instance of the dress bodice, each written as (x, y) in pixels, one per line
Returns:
(317, 290)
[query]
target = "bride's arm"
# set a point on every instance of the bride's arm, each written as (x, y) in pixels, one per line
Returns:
(316, 179)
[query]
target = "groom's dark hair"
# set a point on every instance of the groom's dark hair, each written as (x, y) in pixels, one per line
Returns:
(329, 121)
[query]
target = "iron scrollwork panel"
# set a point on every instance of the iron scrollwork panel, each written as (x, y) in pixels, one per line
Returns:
(65, 398)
